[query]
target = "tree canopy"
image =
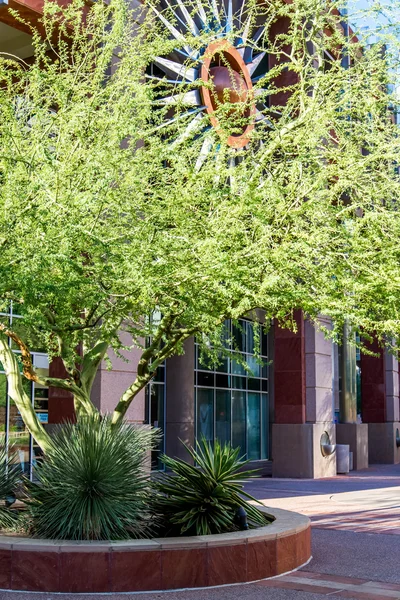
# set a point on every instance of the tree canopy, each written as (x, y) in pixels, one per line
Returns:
(127, 207)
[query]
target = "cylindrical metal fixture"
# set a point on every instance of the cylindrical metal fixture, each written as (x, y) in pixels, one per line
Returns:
(348, 396)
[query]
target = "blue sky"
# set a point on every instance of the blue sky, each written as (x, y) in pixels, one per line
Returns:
(380, 19)
(374, 14)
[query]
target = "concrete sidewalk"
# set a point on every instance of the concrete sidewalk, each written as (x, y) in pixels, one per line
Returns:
(364, 501)
(356, 543)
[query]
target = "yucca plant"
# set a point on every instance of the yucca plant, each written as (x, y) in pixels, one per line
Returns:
(93, 483)
(204, 497)
(10, 478)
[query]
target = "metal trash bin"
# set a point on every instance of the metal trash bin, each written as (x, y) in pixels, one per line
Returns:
(342, 459)
(351, 461)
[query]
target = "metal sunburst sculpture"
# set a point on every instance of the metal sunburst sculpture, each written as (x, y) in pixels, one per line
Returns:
(223, 70)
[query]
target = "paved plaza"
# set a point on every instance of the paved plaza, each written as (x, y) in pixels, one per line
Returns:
(356, 543)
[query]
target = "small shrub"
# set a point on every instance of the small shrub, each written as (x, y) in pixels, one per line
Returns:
(203, 498)
(10, 478)
(93, 483)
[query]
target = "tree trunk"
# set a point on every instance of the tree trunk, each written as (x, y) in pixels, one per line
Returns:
(127, 398)
(21, 399)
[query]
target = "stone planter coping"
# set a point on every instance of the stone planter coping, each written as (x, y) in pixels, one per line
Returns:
(156, 564)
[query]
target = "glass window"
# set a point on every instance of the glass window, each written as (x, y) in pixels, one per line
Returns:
(254, 365)
(207, 379)
(223, 416)
(203, 362)
(155, 416)
(205, 413)
(238, 368)
(230, 405)
(254, 384)
(3, 408)
(239, 336)
(251, 343)
(160, 375)
(41, 397)
(253, 425)
(264, 426)
(222, 381)
(239, 383)
(264, 342)
(239, 421)
(223, 366)
(14, 433)
(19, 438)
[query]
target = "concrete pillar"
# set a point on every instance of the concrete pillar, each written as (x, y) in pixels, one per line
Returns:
(355, 435)
(297, 443)
(110, 384)
(392, 388)
(180, 402)
(319, 396)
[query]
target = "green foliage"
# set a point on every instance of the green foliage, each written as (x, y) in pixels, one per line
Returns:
(10, 478)
(93, 483)
(203, 498)
(110, 210)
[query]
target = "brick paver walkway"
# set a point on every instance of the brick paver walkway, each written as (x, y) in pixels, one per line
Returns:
(372, 504)
(335, 586)
(372, 521)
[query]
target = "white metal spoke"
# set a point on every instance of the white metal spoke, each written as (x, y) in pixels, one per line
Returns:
(215, 11)
(241, 12)
(188, 73)
(177, 34)
(177, 17)
(164, 80)
(195, 125)
(204, 152)
(229, 18)
(218, 18)
(192, 25)
(258, 34)
(194, 112)
(189, 99)
(253, 65)
(246, 31)
(202, 13)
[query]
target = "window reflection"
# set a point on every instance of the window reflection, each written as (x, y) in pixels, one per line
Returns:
(223, 415)
(205, 413)
(230, 403)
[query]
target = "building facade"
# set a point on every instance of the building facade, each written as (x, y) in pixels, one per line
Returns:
(280, 404)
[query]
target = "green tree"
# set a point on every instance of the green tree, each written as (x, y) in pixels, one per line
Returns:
(121, 196)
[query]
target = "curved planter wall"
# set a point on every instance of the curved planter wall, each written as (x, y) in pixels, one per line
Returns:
(158, 564)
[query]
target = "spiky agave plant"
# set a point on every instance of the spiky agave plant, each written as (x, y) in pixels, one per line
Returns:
(93, 483)
(203, 498)
(10, 478)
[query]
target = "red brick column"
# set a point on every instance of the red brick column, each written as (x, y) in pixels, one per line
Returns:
(287, 77)
(289, 374)
(61, 403)
(373, 388)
